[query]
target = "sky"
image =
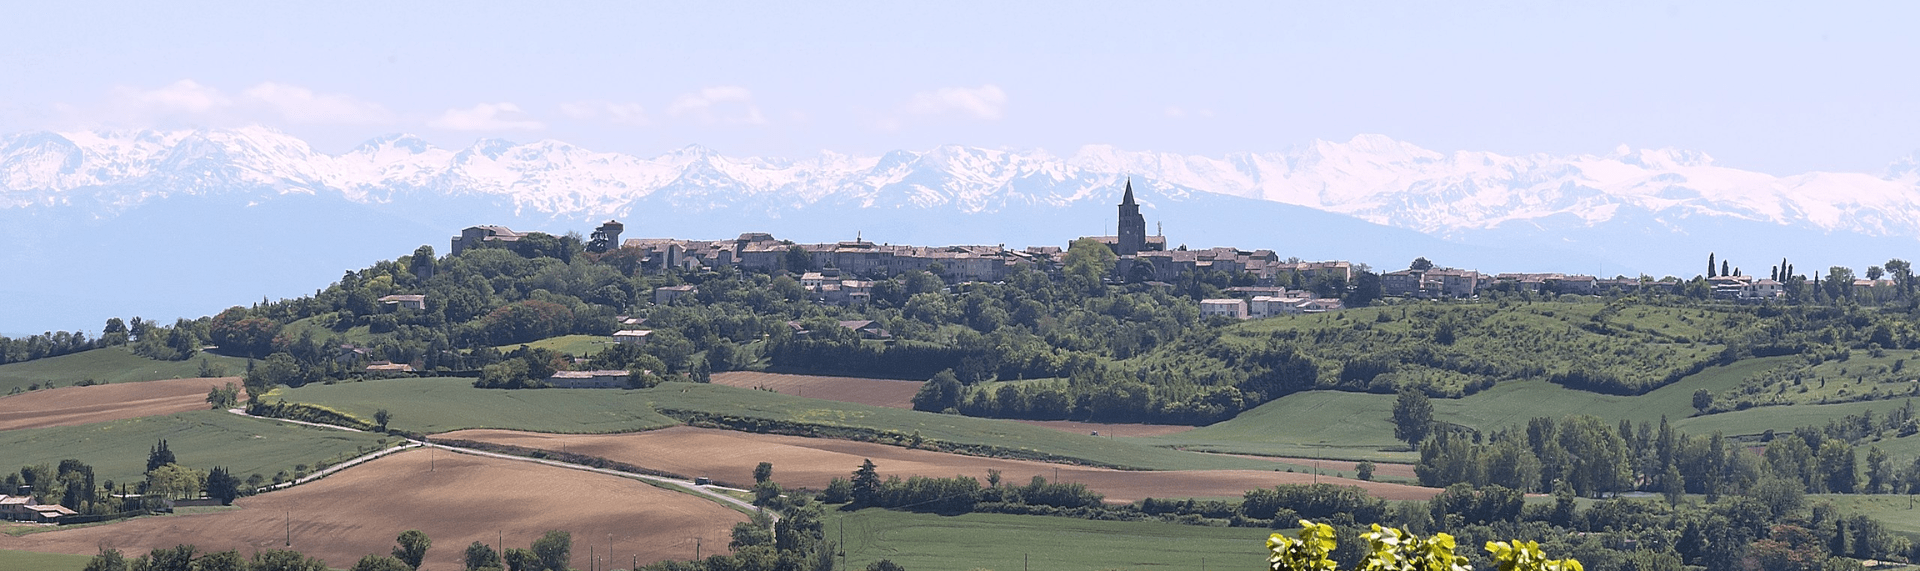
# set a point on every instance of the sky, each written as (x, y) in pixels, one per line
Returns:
(1781, 88)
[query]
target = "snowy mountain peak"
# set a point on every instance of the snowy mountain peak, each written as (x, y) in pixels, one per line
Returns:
(1372, 177)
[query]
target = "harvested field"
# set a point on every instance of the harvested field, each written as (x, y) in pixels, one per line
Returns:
(729, 457)
(874, 392)
(462, 499)
(1111, 429)
(73, 406)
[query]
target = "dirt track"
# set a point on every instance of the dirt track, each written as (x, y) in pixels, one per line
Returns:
(462, 499)
(875, 392)
(811, 462)
(1110, 429)
(73, 406)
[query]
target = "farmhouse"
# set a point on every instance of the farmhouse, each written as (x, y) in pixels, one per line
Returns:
(632, 336)
(414, 302)
(665, 295)
(22, 508)
(1234, 307)
(610, 379)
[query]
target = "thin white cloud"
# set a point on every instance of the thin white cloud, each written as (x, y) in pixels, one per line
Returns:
(724, 104)
(501, 116)
(986, 102)
(629, 114)
(185, 95)
(302, 105)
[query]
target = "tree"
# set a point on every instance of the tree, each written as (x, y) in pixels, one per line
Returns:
(1412, 416)
(866, 483)
(380, 417)
(1702, 400)
(940, 393)
(159, 456)
(228, 560)
(1364, 470)
(1087, 262)
(285, 560)
(1875, 273)
(1839, 282)
(223, 486)
(1902, 274)
(1710, 265)
(380, 563)
(1879, 471)
(482, 556)
(763, 472)
(107, 560)
(519, 559)
(412, 547)
(1420, 264)
(176, 558)
(885, 565)
(554, 549)
(222, 398)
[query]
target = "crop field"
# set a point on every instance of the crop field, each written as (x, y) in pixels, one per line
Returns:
(441, 404)
(108, 365)
(30, 561)
(994, 542)
(1110, 429)
(71, 406)
(729, 457)
(117, 450)
(872, 392)
(455, 499)
(433, 405)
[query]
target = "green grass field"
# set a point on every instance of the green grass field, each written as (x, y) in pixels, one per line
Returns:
(202, 440)
(441, 404)
(576, 345)
(1900, 513)
(923, 542)
(108, 365)
(30, 561)
(1357, 426)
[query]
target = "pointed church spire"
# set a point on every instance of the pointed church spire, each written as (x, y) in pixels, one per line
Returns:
(1128, 200)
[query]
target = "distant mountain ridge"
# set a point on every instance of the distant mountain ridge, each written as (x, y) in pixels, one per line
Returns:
(148, 214)
(1370, 177)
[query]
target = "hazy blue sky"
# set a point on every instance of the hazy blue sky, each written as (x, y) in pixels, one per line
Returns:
(1781, 88)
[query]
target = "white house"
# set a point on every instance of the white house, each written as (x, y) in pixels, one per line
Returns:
(1234, 308)
(632, 336)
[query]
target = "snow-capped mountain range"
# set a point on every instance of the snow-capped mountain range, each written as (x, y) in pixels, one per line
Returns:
(1371, 177)
(185, 223)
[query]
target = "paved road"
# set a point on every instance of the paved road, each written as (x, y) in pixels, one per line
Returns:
(708, 491)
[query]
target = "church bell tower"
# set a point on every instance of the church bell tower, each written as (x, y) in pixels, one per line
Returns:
(1133, 227)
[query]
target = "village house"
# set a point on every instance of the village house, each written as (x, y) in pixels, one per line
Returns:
(414, 302)
(1234, 308)
(666, 295)
(474, 235)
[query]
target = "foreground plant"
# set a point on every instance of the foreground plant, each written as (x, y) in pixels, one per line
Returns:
(1391, 549)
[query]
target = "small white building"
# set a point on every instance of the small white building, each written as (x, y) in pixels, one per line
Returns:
(632, 336)
(665, 295)
(608, 379)
(414, 302)
(1233, 308)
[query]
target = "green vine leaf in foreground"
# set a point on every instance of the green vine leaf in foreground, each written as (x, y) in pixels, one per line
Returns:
(1392, 549)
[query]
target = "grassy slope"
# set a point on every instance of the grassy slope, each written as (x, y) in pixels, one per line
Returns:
(442, 404)
(576, 345)
(1897, 512)
(1357, 426)
(202, 439)
(923, 542)
(30, 561)
(108, 365)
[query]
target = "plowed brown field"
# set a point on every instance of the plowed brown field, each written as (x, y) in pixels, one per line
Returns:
(1379, 468)
(875, 392)
(72, 406)
(462, 499)
(729, 457)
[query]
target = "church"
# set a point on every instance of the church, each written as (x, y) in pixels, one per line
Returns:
(1132, 238)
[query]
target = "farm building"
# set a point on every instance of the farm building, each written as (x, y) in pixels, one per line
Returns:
(632, 336)
(611, 379)
(22, 508)
(414, 302)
